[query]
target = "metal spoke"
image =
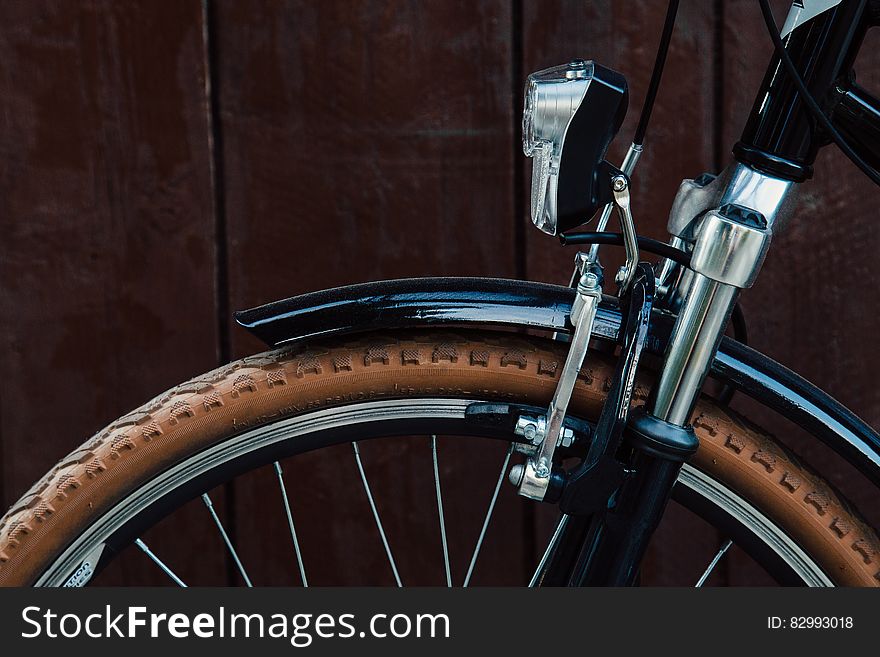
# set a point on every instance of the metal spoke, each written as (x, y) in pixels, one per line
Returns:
(713, 563)
(360, 466)
(560, 526)
(156, 560)
(299, 559)
(488, 517)
(210, 506)
(440, 511)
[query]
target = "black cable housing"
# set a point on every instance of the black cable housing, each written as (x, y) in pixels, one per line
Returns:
(738, 322)
(740, 334)
(657, 73)
(616, 239)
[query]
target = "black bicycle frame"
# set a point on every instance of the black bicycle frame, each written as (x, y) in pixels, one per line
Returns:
(781, 136)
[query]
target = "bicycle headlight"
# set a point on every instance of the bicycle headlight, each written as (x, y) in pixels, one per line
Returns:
(570, 115)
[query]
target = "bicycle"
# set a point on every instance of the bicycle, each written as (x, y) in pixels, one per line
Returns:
(598, 394)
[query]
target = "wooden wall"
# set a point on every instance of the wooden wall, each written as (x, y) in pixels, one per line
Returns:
(166, 162)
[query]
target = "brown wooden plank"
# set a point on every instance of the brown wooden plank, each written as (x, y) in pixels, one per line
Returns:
(679, 142)
(106, 258)
(811, 308)
(362, 141)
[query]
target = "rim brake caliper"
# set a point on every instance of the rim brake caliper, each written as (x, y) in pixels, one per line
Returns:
(538, 479)
(537, 473)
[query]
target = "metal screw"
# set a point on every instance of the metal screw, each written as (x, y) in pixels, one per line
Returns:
(516, 474)
(589, 281)
(542, 471)
(621, 275)
(618, 183)
(530, 432)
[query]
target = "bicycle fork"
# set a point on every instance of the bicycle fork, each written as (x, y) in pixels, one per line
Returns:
(614, 500)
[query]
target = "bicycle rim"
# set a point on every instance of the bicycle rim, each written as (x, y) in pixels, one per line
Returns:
(752, 529)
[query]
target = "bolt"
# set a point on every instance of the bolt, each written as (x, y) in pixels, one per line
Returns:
(621, 275)
(516, 474)
(618, 183)
(577, 70)
(542, 471)
(589, 281)
(530, 432)
(567, 437)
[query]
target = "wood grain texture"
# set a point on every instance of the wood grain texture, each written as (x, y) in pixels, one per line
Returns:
(363, 141)
(106, 258)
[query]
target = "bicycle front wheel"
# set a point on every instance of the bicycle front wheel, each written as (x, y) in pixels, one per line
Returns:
(263, 408)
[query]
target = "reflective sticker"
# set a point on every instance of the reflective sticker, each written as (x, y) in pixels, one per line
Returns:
(804, 10)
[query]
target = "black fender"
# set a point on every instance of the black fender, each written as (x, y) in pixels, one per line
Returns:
(414, 302)
(421, 302)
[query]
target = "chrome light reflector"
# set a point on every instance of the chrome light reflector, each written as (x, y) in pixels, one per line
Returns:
(570, 115)
(552, 97)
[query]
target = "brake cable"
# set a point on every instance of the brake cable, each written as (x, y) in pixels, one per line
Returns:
(808, 98)
(657, 73)
(635, 149)
(648, 244)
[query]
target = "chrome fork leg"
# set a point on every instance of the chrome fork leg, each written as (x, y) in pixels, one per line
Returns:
(701, 323)
(730, 222)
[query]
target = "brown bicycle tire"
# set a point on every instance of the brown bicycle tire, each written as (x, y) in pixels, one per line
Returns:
(481, 364)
